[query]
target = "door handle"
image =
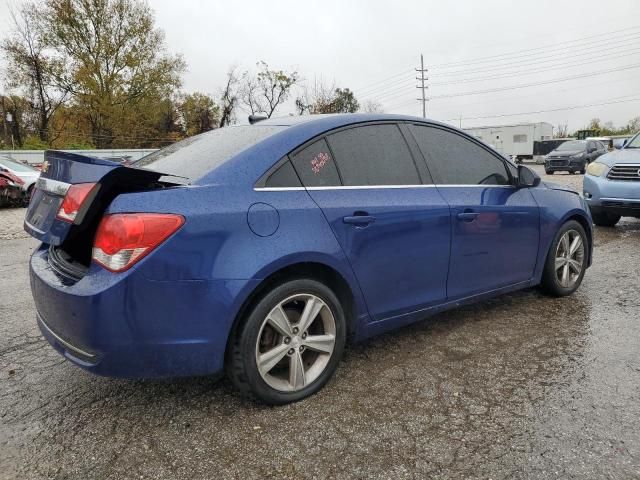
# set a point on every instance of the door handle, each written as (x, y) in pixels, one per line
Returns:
(359, 220)
(468, 216)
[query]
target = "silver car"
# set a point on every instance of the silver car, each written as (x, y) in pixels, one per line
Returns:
(26, 173)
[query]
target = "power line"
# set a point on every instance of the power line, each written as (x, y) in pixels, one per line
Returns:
(595, 59)
(550, 58)
(520, 52)
(562, 109)
(385, 80)
(383, 85)
(525, 85)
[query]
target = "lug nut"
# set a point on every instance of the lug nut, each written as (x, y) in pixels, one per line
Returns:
(304, 335)
(302, 348)
(295, 330)
(291, 351)
(287, 340)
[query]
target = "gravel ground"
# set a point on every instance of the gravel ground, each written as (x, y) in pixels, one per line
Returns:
(522, 386)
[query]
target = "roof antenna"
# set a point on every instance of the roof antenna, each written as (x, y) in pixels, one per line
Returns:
(256, 118)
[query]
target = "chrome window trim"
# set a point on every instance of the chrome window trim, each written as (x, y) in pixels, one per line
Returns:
(52, 186)
(372, 187)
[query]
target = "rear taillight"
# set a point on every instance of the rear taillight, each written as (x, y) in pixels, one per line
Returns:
(73, 200)
(123, 239)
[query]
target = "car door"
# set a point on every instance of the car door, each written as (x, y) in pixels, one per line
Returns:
(495, 226)
(392, 224)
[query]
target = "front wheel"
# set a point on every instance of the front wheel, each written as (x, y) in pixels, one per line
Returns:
(566, 261)
(289, 344)
(549, 172)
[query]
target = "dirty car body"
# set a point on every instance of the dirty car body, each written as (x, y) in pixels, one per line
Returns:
(265, 201)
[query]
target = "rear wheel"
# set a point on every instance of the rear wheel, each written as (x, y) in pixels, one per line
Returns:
(290, 343)
(566, 261)
(605, 219)
(549, 172)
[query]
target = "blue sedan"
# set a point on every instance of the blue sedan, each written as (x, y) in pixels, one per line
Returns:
(262, 249)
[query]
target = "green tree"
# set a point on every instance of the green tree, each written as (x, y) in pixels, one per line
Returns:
(111, 58)
(199, 113)
(344, 101)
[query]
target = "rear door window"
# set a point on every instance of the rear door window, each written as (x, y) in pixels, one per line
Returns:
(315, 166)
(456, 160)
(373, 155)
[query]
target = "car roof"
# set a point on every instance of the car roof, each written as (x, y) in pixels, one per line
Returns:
(295, 131)
(334, 120)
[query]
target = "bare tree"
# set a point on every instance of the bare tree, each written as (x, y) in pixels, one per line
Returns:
(562, 130)
(324, 98)
(315, 99)
(229, 98)
(30, 68)
(267, 89)
(371, 106)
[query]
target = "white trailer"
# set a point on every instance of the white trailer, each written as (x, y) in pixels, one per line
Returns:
(513, 140)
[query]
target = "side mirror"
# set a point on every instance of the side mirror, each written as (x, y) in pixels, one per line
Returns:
(624, 143)
(527, 177)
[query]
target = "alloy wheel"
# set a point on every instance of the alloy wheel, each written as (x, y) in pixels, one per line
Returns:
(295, 342)
(569, 258)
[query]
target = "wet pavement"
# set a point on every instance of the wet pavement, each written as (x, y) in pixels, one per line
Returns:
(522, 386)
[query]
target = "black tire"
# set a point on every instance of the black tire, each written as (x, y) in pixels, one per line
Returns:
(550, 283)
(605, 219)
(583, 170)
(241, 362)
(571, 172)
(549, 172)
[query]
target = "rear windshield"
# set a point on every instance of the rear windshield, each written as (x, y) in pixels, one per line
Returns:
(196, 156)
(572, 146)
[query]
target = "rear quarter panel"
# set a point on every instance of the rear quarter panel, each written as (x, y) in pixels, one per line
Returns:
(217, 244)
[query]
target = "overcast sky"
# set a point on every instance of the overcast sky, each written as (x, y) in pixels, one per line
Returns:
(372, 47)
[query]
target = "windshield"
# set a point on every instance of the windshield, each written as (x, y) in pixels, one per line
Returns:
(196, 156)
(572, 146)
(635, 142)
(16, 166)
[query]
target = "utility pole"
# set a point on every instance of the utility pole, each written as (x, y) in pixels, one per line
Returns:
(422, 86)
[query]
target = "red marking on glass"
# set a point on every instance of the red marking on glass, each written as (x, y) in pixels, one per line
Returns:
(319, 161)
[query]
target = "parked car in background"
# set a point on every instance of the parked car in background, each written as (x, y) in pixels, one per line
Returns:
(606, 141)
(542, 148)
(611, 186)
(11, 191)
(26, 173)
(573, 156)
(286, 238)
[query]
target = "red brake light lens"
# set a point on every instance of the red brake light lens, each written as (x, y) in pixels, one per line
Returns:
(123, 239)
(73, 200)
